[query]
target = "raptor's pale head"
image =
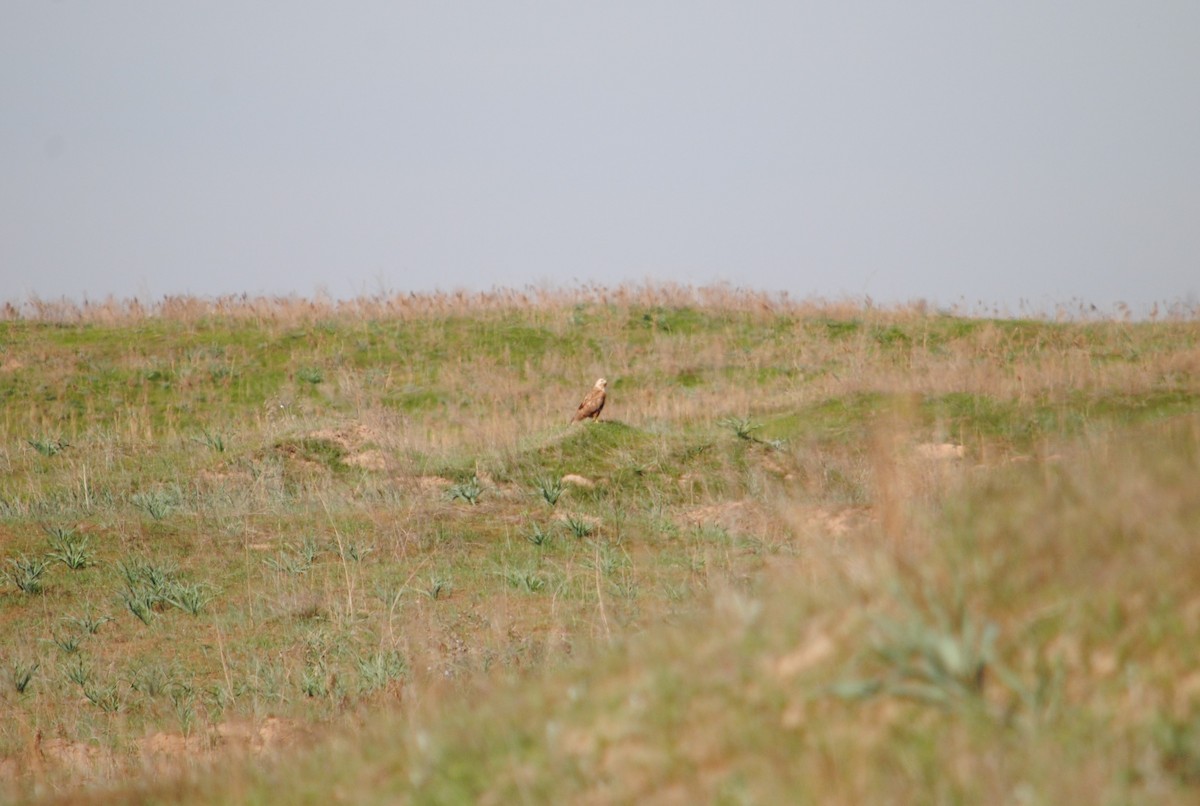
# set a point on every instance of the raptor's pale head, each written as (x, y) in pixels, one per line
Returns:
(600, 384)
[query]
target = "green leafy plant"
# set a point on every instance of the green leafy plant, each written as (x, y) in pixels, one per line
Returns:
(26, 573)
(48, 446)
(183, 701)
(156, 578)
(149, 586)
(933, 654)
(140, 605)
(69, 644)
(20, 674)
(579, 527)
(106, 697)
(742, 427)
(549, 488)
(537, 535)
(157, 503)
(933, 663)
(625, 587)
(69, 547)
(468, 491)
(523, 579)
(88, 622)
(309, 550)
(379, 669)
(217, 697)
(298, 560)
(288, 563)
(212, 440)
(314, 681)
(77, 671)
(607, 558)
(311, 375)
(355, 552)
(190, 597)
(436, 587)
(152, 679)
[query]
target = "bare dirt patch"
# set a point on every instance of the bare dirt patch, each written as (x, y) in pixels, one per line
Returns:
(435, 485)
(367, 460)
(732, 516)
(939, 451)
(832, 521)
(350, 438)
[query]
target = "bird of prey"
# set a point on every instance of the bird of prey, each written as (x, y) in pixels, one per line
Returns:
(592, 403)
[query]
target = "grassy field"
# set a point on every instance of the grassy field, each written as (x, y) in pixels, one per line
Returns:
(812, 552)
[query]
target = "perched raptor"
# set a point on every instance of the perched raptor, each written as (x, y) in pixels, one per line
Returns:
(592, 404)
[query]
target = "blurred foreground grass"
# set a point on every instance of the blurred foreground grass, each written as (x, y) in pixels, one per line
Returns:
(1038, 641)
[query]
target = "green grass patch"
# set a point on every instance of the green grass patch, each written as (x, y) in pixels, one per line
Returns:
(685, 321)
(325, 452)
(835, 420)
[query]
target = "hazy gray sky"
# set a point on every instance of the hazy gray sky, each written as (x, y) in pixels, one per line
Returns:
(1004, 151)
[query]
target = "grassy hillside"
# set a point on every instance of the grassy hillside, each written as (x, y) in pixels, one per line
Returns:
(811, 551)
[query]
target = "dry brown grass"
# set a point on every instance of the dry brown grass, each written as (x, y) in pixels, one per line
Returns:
(291, 310)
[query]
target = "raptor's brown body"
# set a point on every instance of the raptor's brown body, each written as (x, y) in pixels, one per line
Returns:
(591, 406)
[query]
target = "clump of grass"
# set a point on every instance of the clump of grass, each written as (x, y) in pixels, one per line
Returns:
(69, 547)
(190, 597)
(69, 644)
(310, 375)
(314, 681)
(936, 655)
(77, 671)
(183, 702)
(436, 587)
(20, 674)
(152, 679)
(742, 427)
(150, 587)
(607, 558)
(549, 488)
(157, 503)
(88, 622)
(537, 535)
(211, 440)
(26, 573)
(580, 527)
(48, 446)
(298, 560)
(523, 579)
(625, 587)
(354, 552)
(287, 563)
(468, 491)
(155, 577)
(309, 550)
(379, 669)
(105, 697)
(140, 605)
